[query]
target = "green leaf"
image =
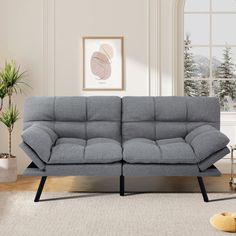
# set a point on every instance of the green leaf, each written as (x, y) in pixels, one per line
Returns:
(11, 77)
(3, 90)
(9, 116)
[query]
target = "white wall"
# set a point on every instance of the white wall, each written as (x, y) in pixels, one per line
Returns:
(21, 39)
(75, 19)
(44, 36)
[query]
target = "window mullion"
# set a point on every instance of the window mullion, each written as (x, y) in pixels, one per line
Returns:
(210, 51)
(226, 90)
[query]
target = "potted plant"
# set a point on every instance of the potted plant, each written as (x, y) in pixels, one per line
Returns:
(3, 93)
(10, 81)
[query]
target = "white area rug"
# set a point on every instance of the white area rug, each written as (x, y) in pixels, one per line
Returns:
(109, 214)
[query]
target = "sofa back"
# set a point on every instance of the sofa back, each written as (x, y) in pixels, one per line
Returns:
(167, 117)
(140, 117)
(76, 117)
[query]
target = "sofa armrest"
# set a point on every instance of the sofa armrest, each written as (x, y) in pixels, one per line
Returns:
(206, 140)
(40, 139)
(33, 156)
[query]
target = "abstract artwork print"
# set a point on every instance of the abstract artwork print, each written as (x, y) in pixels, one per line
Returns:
(103, 63)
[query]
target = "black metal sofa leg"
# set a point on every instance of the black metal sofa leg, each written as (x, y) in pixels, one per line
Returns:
(40, 188)
(122, 185)
(203, 189)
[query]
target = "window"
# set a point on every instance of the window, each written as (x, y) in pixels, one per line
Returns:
(210, 50)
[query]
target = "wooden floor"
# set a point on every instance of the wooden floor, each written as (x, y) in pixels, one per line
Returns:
(104, 184)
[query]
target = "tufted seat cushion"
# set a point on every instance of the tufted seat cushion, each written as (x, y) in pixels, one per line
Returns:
(168, 151)
(141, 150)
(78, 151)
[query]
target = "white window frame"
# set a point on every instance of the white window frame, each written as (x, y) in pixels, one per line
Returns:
(180, 42)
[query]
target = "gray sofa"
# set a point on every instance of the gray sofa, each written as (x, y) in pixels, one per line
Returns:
(130, 136)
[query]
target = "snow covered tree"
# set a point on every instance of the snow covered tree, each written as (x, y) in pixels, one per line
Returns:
(190, 86)
(226, 71)
(204, 88)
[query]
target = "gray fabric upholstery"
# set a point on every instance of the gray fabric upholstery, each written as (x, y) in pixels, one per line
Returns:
(203, 109)
(70, 129)
(197, 131)
(76, 117)
(160, 135)
(138, 109)
(141, 151)
(142, 129)
(76, 170)
(167, 170)
(169, 141)
(40, 139)
(70, 109)
(178, 152)
(174, 109)
(103, 129)
(167, 117)
(206, 140)
(33, 156)
(206, 163)
(170, 151)
(67, 153)
(39, 109)
(104, 108)
(77, 141)
(77, 151)
(101, 150)
(112, 169)
(104, 117)
(48, 124)
(167, 130)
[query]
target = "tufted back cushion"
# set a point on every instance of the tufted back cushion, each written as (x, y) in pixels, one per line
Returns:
(76, 117)
(167, 117)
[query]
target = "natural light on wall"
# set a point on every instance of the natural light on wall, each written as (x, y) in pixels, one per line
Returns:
(210, 50)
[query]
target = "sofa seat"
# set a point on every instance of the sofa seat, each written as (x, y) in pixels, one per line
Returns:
(166, 151)
(80, 151)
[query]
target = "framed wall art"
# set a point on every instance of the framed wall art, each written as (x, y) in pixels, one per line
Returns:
(103, 63)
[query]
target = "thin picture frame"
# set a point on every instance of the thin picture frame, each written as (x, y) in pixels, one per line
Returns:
(94, 73)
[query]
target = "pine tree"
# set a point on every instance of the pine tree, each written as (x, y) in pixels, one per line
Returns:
(204, 88)
(190, 86)
(225, 72)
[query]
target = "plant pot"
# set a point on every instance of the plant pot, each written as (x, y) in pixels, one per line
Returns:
(8, 169)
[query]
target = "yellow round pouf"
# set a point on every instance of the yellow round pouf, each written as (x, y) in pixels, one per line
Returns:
(225, 221)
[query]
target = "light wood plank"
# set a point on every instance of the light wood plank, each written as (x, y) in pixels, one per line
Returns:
(111, 184)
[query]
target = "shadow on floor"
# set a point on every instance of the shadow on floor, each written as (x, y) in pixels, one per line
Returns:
(222, 199)
(87, 195)
(74, 197)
